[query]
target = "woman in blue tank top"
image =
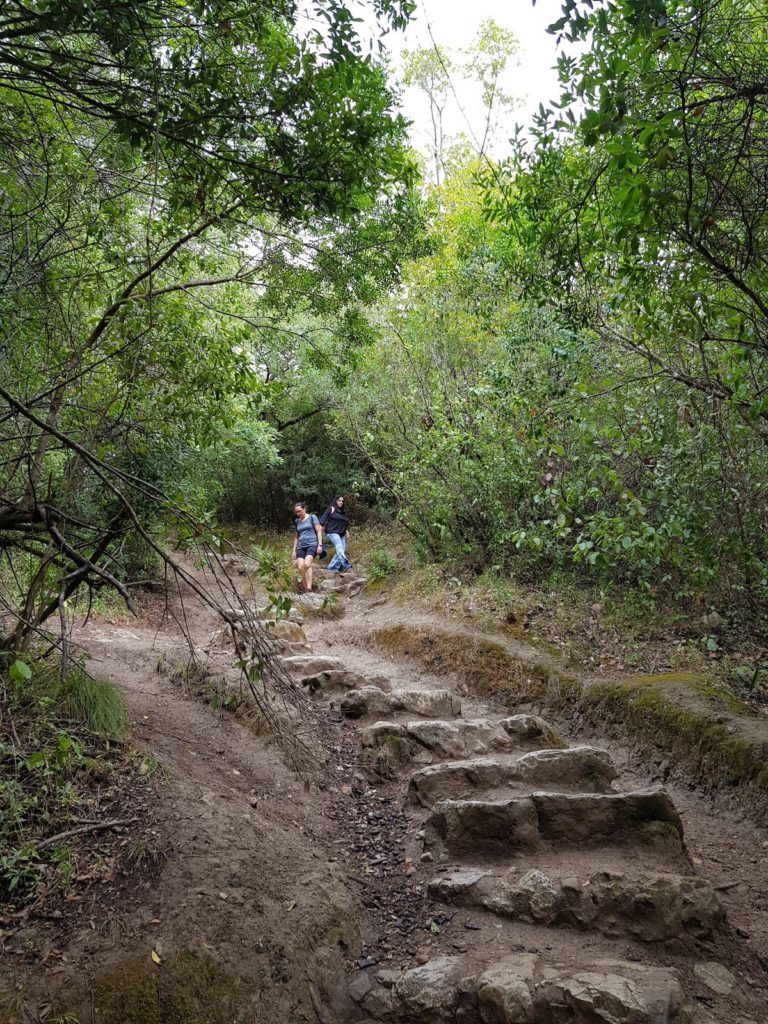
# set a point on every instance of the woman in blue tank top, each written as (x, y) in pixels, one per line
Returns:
(307, 542)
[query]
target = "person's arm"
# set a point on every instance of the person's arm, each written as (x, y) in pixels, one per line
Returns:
(319, 532)
(324, 516)
(295, 544)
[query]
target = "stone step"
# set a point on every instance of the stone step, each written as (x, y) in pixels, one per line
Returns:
(524, 989)
(584, 768)
(302, 665)
(343, 586)
(330, 606)
(649, 907)
(333, 679)
(285, 630)
(465, 738)
(553, 820)
(372, 700)
(266, 614)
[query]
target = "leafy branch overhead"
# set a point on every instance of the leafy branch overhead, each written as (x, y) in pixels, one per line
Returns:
(223, 94)
(182, 184)
(646, 188)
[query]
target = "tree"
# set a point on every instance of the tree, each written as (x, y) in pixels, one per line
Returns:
(646, 190)
(483, 64)
(160, 162)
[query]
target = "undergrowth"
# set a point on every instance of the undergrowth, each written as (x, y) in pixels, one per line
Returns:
(61, 752)
(608, 631)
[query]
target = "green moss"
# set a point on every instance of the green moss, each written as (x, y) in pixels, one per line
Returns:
(686, 678)
(698, 684)
(396, 745)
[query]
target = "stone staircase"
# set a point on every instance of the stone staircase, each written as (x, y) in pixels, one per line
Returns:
(578, 900)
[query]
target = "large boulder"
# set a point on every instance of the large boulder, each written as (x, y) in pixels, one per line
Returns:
(644, 816)
(429, 703)
(482, 826)
(367, 700)
(323, 605)
(477, 736)
(333, 679)
(650, 908)
(455, 739)
(531, 731)
(613, 992)
(585, 768)
(284, 629)
(302, 665)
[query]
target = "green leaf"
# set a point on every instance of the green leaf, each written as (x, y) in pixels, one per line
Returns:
(20, 672)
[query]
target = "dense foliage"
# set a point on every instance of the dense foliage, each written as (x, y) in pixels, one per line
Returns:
(196, 200)
(576, 380)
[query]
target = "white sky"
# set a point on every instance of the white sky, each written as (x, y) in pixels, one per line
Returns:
(454, 25)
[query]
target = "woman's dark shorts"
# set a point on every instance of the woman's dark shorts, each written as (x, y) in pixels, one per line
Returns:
(303, 552)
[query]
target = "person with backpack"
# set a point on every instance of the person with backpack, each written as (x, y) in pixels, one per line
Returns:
(336, 523)
(307, 543)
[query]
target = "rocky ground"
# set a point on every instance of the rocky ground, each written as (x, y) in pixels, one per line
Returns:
(461, 862)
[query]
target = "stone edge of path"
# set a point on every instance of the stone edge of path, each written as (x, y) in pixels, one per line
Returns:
(667, 717)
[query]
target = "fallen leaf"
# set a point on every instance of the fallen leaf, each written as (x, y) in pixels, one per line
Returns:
(156, 957)
(291, 905)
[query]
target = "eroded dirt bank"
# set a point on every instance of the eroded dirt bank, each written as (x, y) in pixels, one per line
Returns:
(428, 883)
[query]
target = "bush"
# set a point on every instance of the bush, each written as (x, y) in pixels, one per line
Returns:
(381, 564)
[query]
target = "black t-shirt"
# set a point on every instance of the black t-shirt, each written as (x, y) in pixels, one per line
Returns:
(334, 521)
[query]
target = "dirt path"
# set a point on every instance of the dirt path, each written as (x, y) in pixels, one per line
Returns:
(615, 898)
(470, 865)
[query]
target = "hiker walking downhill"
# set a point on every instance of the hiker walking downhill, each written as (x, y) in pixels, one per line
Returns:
(336, 523)
(307, 543)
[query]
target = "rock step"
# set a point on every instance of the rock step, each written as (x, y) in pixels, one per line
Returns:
(306, 665)
(325, 605)
(333, 679)
(372, 700)
(583, 768)
(523, 989)
(507, 827)
(648, 907)
(342, 587)
(465, 738)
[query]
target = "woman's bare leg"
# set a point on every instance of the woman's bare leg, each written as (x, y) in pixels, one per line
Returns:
(301, 566)
(308, 573)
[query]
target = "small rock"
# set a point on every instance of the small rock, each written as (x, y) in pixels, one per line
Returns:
(715, 977)
(359, 987)
(387, 978)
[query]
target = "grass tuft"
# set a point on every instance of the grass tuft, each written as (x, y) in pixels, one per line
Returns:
(96, 704)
